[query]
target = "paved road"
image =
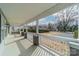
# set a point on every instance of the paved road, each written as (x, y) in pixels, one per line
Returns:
(69, 35)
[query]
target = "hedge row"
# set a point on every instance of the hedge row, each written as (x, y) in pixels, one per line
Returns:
(40, 31)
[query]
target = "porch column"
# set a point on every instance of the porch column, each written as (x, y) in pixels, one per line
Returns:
(37, 27)
(74, 49)
(25, 31)
(0, 28)
(10, 30)
(36, 36)
(22, 31)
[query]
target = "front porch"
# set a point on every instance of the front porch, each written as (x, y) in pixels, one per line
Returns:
(16, 45)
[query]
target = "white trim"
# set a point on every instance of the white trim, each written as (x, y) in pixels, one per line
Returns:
(61, 38)
(74, 45)
(50, 51)
(2, 47)
(37, 26)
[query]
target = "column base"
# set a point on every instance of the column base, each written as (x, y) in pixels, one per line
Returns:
(22, 33)
(35, 40)
(74, 52)
(25, 35)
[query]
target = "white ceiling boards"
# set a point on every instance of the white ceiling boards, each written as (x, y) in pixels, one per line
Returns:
(23, 13)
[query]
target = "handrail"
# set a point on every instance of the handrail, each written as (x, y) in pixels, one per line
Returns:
(71, 41)
(57, 44)
(74, 45)
(60, 38)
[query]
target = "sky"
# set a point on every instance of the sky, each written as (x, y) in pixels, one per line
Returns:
(46, 20)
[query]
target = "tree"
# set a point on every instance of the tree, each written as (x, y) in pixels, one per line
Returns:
(66, 18)
(50, 26)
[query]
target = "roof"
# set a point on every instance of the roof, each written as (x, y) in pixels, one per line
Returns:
(20, 13)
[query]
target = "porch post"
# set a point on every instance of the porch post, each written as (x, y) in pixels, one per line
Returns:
(25, 31)
(36, 36)
(0, 28)
(37, 27)
(74, 51)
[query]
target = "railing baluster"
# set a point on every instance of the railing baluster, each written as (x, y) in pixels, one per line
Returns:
(55, 43)
(59, 46)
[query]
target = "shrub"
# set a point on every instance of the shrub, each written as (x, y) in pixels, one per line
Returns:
(24, 30)
(76, 34)
(40, 30)
(31, 30)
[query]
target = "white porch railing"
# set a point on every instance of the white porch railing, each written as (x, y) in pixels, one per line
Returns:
(60, 45)
(30, 36)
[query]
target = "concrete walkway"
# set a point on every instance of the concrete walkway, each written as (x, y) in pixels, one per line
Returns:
(16, 45)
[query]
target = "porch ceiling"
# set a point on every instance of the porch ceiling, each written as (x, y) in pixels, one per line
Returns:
(23, 13)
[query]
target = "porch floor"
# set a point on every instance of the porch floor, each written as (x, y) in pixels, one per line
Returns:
(16, 45)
